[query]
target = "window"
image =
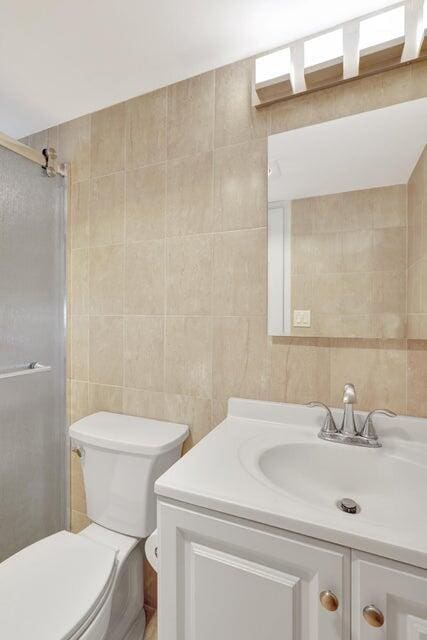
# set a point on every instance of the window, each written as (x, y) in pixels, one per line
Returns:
(385, 27)
(328, 46)
(274, 65)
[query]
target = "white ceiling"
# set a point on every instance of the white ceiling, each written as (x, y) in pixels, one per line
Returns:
(372, 149)
(61, 59)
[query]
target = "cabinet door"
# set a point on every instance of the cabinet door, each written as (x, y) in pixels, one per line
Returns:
(397, 591)
(225, 579)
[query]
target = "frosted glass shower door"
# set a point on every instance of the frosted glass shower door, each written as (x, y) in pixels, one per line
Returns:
(33, 468)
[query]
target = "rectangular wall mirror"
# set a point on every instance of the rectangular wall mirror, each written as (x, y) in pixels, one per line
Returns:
(347, 226)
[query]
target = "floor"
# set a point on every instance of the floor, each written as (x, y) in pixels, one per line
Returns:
(151, 630)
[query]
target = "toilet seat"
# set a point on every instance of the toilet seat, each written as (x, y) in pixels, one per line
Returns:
(53, 589)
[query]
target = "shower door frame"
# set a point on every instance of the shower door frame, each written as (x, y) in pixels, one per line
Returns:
(39, 158)
(22, 149)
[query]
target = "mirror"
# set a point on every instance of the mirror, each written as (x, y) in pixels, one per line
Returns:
(347, 226)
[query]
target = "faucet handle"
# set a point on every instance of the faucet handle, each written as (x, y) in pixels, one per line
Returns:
(329, 425)
(368, 429)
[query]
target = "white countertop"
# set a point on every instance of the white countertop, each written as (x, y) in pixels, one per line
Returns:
(221, 473)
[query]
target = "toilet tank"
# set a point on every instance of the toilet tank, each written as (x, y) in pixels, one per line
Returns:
(122, 457)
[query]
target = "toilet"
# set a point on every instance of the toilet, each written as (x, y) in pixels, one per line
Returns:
(89, 586)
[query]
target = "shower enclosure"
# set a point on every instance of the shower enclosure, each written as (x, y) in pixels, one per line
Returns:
(33, 460)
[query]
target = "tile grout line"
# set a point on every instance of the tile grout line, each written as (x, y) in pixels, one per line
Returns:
(125, 249)
(212, 321)
(165, 264)
(89, 216)
(176, 237)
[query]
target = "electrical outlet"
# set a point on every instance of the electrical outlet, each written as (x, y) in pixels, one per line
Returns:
(302, 318)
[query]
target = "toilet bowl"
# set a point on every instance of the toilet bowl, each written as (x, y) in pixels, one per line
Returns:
(89, 586)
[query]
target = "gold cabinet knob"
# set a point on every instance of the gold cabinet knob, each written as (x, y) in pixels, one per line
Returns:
(373, 616)
(329, 601)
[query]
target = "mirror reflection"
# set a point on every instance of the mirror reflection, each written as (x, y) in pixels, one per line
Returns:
(347, 226)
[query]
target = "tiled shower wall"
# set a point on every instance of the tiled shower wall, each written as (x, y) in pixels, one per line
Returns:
(167, 245)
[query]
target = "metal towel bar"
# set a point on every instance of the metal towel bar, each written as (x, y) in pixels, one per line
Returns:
(24, 370)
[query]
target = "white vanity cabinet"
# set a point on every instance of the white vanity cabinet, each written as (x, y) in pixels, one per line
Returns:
(251, 533)
(225, 579)
(222, 578)
(393, 595)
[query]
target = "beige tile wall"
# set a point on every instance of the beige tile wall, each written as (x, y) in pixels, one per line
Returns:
(349, 263)
(167, 246)
(417, 250)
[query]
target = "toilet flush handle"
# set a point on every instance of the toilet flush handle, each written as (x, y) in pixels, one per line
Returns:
(79, 451)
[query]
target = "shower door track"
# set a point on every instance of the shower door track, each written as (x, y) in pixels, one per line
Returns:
(47, 158)
(22, 149)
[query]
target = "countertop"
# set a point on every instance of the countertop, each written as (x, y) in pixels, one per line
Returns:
(217, 474)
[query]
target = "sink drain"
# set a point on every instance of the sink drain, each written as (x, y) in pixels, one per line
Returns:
(348, 505)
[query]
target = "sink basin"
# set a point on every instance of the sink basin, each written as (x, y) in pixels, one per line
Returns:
(321, 474)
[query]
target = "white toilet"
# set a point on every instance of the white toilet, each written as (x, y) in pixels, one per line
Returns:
(89, 586)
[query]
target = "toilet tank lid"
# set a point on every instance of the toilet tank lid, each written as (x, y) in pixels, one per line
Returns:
(128, 434)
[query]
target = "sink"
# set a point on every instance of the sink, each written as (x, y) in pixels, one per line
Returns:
(265, 463)
(322, 474)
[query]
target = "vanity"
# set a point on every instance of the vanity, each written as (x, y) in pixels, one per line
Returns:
(254, 543)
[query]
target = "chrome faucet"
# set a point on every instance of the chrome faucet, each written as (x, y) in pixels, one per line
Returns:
(349, 433)
(348, 426)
